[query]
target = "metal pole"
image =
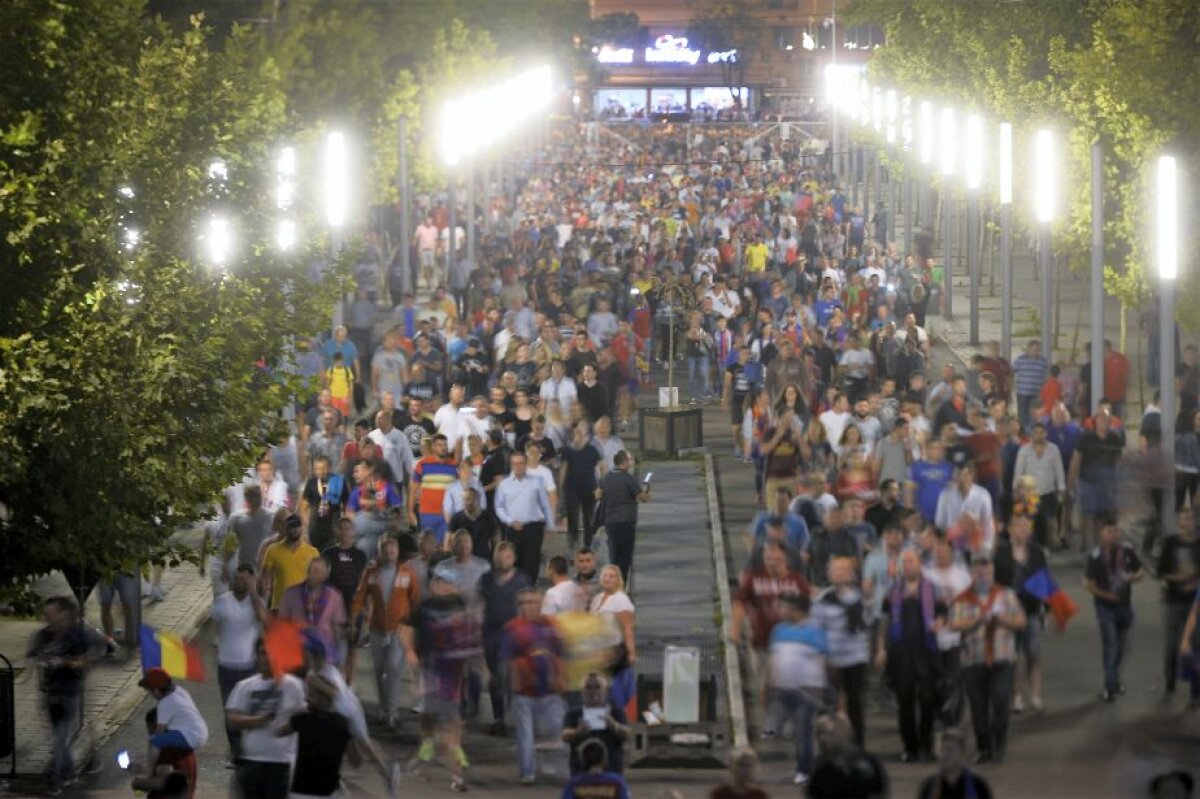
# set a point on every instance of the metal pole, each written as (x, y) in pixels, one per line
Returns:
(1166, 373)
(872, 175)
(452, 207)
(1047, 295)
(892, 196)
(489, 165)
(406, 283)
(471, 210)
(1006, 289)
(973, 260)
(1098, 284)
(908, 213)
(947, 252)
(335, 249)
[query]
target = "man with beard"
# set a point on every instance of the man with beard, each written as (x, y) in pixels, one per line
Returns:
(322, 501)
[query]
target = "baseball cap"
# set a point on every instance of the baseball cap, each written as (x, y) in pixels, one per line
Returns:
(155, 678)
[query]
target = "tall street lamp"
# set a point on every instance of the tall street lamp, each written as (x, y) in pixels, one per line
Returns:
(1097, 287)
(891, 113)
(906, 135)
(1167, 218)
(1006, 195)
(335, 198)
(973, 172)
(1045, 188)
(926, 142)
(948, 144)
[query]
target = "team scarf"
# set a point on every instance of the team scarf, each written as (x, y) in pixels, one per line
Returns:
(896, 601)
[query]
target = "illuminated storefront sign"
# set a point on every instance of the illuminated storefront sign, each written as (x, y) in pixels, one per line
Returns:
(615, 55)
(670, 49)
(727, 55)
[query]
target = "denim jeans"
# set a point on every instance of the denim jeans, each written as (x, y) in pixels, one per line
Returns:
(387, 656)
(801, 707)
(63, 709)
(531, 713)
(1025, 404)
(698, 376)
(1115, 622)
(368, 527)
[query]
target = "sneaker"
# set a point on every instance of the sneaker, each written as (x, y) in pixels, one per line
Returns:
(497, 730)
(526, 779)
(461, 758)
(1018, 704)
(425, 752)
(1108, 696)
(458, 785)
(1120, 689)
(229, 763)
(1035, 702)
(800, 778)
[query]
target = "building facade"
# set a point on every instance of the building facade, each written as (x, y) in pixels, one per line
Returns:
(785, 47)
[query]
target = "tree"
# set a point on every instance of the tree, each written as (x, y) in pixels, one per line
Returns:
(721, 26)
(1115, 71)
(135, 384)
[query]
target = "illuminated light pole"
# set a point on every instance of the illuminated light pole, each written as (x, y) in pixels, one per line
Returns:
(973, 173)
(285, 192)
(1097, 280)
(1006, 196)
(1167, 223)
(218, 241)
(335, 198)
(1045, 202)
(948, 146)
(891, 112)
(926, 140)
(906, 130)
(877, 128)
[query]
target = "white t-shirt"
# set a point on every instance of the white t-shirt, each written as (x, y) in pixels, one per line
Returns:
(346, 702)
(563, 598)
(177, 711)
(237, 631)
(834, 424)
(948, 584)
(446, 420)
(618, 602)
(260, 695)
(470, 424)
(543, 473)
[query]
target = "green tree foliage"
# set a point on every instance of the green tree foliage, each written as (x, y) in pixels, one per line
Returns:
(129, 391)
(720, 26)
(1121, 72)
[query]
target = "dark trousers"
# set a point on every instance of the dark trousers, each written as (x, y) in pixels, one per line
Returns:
(259, 780)
(852, 682)
(916, 694)
(497, 672)
(989, 690)
(1174, 618)
(528, 542)
(949, 684)
(1047, 513)
(1115, 623)
(620, 546)
(580, 510)
(226, 679)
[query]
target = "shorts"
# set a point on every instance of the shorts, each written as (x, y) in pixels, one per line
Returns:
(126, 586)
(1029, 640)
(435, 522)
(736, 416)
(426, 257)
(342, 404)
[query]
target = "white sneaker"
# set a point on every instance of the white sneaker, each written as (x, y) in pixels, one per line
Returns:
(800, 778)
(1018, 704)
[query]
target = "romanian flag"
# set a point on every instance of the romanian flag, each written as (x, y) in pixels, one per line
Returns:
(170, 653)
(1042, 585)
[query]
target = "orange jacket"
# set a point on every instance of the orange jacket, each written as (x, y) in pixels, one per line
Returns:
(385, 618)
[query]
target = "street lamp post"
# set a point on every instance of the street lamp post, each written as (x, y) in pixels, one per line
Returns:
(1097, 287)
(336, 199)
(1006, 194)
(890, 106)
(973, 169)
(1167, 218)
(1044, 203)
(907, 137)
(925, 142)
(452, 208)
(948, 144)
(406, 285)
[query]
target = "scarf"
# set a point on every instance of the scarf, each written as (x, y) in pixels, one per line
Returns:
(856, 620)
(971, 597)
(896, 601)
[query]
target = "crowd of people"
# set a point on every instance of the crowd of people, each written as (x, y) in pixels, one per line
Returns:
(411, 512)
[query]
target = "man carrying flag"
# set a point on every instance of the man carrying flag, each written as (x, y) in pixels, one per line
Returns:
(179, 728)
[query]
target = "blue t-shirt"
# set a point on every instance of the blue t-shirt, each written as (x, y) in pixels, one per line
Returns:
(347, 349)
(795, 528)
(798, 655)
(931, 477)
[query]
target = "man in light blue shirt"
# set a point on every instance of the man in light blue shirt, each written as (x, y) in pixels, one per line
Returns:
(523, 507)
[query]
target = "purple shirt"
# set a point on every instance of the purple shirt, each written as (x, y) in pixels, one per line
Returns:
(323, 611)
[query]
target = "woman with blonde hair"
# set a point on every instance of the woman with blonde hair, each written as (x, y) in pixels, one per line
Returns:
(612, 601)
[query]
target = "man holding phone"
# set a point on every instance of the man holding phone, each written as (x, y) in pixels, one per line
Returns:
(621, 492)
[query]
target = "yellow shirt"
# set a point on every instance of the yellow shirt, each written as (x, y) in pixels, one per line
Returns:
(756, 257)
(340, 381)
(287, 567)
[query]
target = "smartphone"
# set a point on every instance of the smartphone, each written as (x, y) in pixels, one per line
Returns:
(646, 479)
(123, 758)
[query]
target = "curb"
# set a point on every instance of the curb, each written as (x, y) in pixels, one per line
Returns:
(733, 675)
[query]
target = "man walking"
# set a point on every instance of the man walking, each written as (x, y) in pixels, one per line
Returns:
(239, 614)
(1112, 568)
(988, 615)
(533, 651)
(523, 507)
(257, 709)
(1030, 370)
(1043, 461)
(388, 596)
(621, 494)
(60, 651)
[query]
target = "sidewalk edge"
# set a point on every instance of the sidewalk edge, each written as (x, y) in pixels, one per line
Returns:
(733, 676)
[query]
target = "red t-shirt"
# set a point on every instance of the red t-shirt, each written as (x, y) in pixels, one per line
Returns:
(984, 446)
(760, 593)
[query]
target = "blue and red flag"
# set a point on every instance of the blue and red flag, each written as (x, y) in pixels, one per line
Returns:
(1042, 585)
(170, 653)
